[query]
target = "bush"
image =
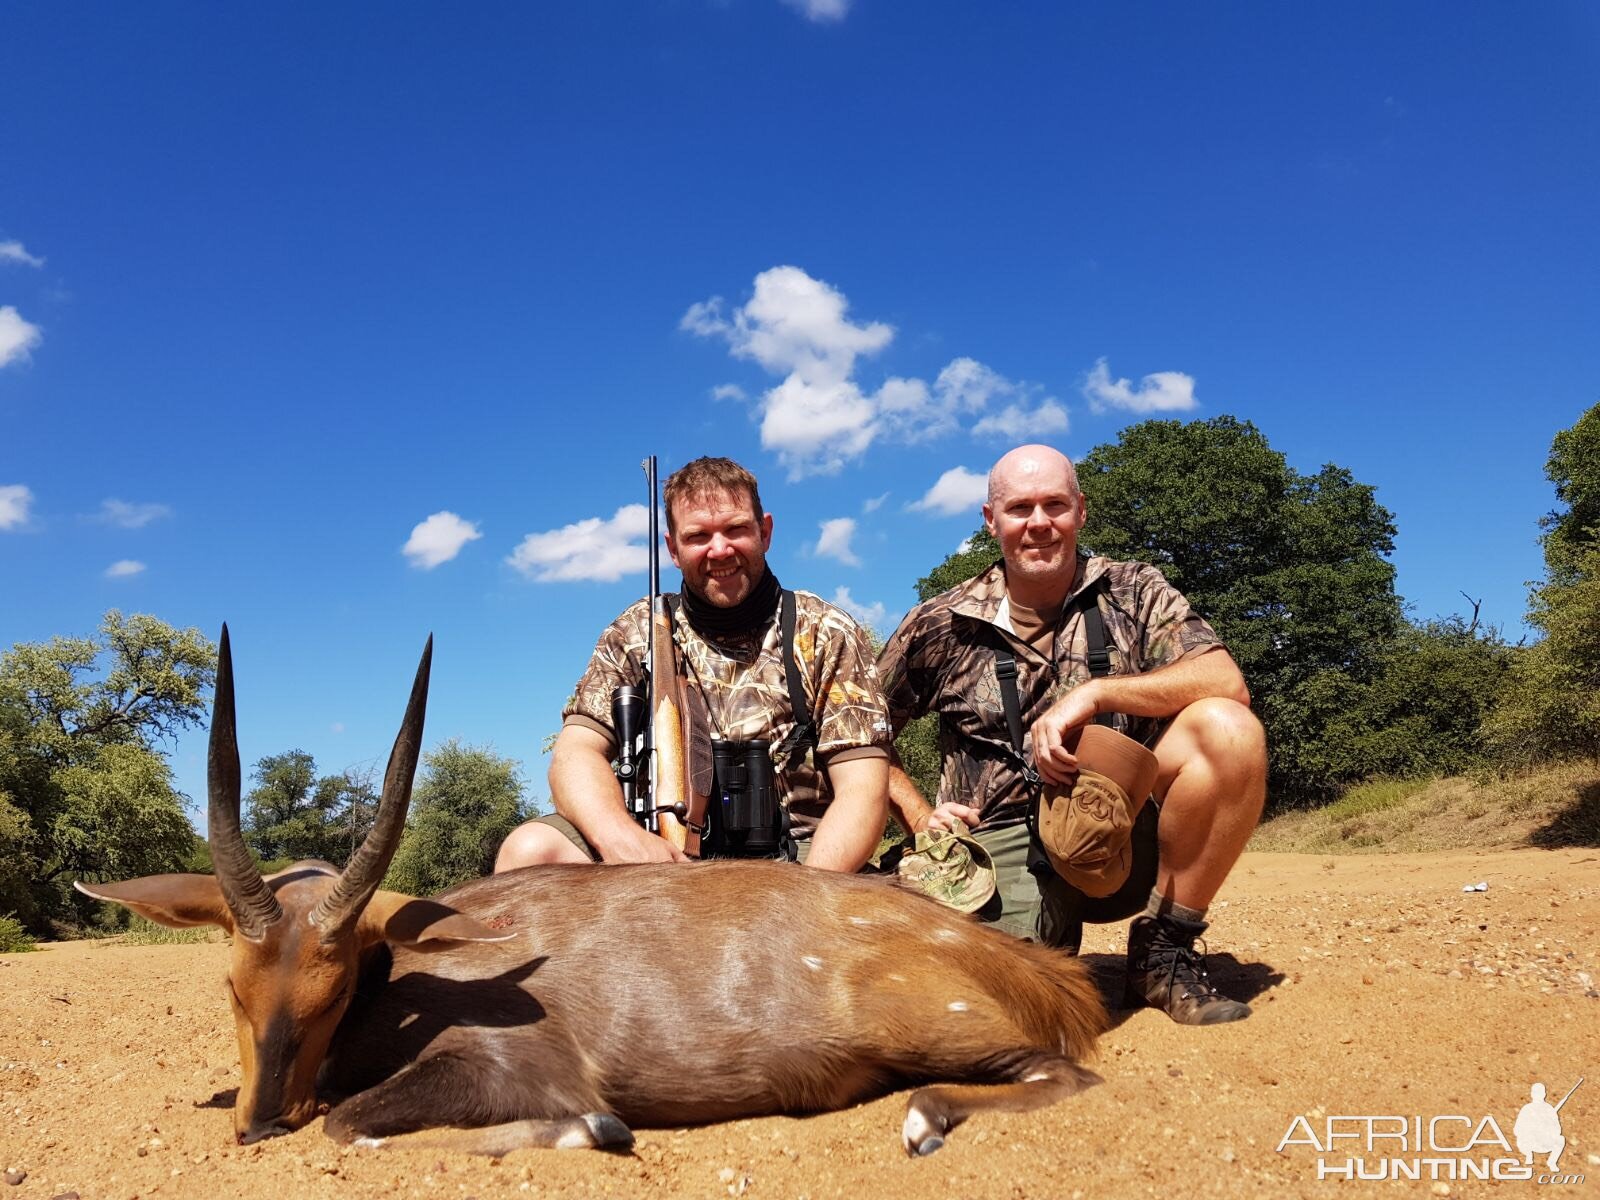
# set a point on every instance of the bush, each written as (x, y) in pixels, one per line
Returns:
(13, 938)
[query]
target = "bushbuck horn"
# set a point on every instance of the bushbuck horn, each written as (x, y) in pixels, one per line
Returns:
(366, 869)
(249, 899)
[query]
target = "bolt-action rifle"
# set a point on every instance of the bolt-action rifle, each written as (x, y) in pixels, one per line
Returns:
(652, 754)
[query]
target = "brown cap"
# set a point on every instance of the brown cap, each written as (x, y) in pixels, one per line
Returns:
(1087, 829)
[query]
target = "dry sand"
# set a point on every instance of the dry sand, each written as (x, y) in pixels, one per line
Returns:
(1379, 987)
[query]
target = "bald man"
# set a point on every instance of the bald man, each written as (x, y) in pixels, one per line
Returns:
(1172, 686)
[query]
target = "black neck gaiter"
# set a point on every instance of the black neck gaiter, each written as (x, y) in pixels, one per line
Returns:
(749, 614)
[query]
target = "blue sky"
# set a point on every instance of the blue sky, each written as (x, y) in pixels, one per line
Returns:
(277, 286)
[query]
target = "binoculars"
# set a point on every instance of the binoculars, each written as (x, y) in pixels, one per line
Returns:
(747, 820)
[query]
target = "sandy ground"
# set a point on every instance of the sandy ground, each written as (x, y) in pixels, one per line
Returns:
(1379, 987)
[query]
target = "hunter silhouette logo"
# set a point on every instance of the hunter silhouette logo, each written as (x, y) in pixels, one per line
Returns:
(1538, 1127)
(1446, 1147)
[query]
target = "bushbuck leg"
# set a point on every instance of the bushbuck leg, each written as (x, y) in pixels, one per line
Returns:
(1039, 1080)
(452, 1089)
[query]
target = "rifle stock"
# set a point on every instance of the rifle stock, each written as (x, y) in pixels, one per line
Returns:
(673, 789)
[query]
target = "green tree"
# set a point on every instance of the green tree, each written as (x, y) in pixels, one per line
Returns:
(466, 801)
(1551, 705)
(84, 792)
(1574, 468)
(292, 814)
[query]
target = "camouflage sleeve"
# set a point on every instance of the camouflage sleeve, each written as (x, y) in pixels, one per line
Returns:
(846, 679)
(896, 675)
(1171, 629)
(618, 659)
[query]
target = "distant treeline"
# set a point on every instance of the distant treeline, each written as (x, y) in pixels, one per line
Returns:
(1291, 569)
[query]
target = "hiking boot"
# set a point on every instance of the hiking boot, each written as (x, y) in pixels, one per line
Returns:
(1165, 971)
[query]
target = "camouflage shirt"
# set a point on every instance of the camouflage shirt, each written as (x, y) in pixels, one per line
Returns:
(942, 659)
(746, 694)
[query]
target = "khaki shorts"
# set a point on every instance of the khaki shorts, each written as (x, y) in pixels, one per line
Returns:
(570, 831)
(1047, 908)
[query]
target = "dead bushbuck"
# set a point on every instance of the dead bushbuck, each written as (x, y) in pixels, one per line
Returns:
(559, 1005)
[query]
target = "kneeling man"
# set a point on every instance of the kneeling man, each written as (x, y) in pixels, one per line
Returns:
(1165, 676)
(823, 727)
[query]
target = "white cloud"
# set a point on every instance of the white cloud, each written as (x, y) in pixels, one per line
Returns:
(1022, 424)
(14, 252)
(835, 540)
(957, 491)
(336, 727)
(131, 516)
(873, 614)
(438, 539)
(874, 504)
(820, 417)
(603, 550)
(15, 501)
(17, 336)
(817, 429)
(124, 568)
(823, 12)
(964, 545)
(1164, 391)
(728, 391)
(797, 327)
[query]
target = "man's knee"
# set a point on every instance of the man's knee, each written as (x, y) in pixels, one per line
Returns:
(1225, 731)
(533, 844)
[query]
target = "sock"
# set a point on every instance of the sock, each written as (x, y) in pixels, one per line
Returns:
(1160, 906)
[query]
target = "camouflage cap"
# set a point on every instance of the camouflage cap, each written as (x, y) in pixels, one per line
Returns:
(953, 868)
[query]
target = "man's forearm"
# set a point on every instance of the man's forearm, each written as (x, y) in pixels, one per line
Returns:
(585, 791)
(1168, 690)
(906, 802)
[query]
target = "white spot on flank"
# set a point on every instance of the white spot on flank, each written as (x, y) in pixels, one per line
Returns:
(859, 921)
(957, 1006)
(1036, 1076)
(812, 961)
(947, 935)
(898, 978)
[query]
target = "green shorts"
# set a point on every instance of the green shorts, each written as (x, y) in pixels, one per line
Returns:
(570, 831)
(1048, 909)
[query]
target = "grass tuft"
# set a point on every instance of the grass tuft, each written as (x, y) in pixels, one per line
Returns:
(147, 933)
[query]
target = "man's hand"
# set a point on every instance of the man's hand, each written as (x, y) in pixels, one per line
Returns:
(951, 818)
(632, 844)
(1061, 720)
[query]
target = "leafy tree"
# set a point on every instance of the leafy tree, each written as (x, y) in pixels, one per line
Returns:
(1574, 468)
(1551, 706)
(292, 814)
(84, 792)
(466, 801)
(1289, 568)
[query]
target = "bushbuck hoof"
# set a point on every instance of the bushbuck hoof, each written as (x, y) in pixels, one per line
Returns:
(602, 1132)
(923, 1132)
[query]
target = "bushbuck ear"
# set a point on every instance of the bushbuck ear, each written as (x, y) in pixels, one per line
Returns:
(175, 900)
(405, 921)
